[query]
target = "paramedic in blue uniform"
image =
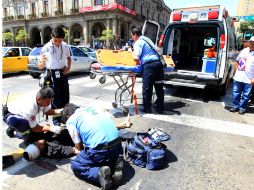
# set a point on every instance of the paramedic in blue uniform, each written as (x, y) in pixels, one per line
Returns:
(55, 56)
(152, 70)
(95, 134)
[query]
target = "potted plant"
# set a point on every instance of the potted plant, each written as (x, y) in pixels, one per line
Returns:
(32, 16)
(44, 14)
(74, 10)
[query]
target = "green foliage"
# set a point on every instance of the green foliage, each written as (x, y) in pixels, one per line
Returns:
(107, 35)
(22, 35)
(7, 36)
(67, 34)
(247, 27)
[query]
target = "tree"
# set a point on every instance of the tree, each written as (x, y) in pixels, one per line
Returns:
(22, 36)
(247, 27)
(8, 36)
(67, 35)
(107, 35)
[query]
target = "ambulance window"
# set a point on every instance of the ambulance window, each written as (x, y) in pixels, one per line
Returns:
(209, 41)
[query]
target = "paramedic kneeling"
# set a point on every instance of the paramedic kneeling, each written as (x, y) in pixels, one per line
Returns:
(152, 69)
(96, 131)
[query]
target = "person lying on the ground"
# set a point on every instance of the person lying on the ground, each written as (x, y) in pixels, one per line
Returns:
(93, 128)
(25, 121)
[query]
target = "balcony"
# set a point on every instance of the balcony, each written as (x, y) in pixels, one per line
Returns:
(8, 18)
(20, 17)
(74, 10)
(32, 16)
(44, 14)
(59, 12)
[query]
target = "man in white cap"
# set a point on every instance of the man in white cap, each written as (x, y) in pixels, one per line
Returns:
(244, 78)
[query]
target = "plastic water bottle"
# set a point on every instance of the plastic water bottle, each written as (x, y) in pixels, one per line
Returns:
(48, 56)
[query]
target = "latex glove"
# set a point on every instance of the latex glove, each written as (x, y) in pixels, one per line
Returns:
(55, 129)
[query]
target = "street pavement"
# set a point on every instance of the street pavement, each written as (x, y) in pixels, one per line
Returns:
(210, 148)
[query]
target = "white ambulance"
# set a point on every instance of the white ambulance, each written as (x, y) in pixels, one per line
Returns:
(201, 42)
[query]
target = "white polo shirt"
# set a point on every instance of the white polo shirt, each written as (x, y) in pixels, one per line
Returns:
(31, 111)
(58, 55)
(248, 74)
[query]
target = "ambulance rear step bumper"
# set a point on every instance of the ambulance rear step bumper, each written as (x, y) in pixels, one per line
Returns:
(186, 83)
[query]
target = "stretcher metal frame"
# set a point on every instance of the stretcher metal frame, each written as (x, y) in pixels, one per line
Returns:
(121, 78)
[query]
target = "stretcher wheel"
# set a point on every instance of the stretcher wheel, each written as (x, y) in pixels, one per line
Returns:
(125, 110)
(114, 105)
(102, 80)
(92, 76)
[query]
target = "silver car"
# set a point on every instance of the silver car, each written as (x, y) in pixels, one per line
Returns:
(88, 51)
(80, 61)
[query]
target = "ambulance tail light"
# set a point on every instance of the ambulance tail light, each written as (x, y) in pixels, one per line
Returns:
(161, 40)
(177, 17)
(213, 15)
(222, 41)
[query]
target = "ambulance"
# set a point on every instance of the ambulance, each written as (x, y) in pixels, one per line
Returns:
(201, 43)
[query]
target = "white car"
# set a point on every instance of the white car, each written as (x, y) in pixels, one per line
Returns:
(88, 51)
(80, 61)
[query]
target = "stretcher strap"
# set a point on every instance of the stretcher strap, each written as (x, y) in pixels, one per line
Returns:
(133, 94)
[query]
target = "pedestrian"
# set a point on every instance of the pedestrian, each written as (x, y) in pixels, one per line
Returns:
(145, 54)
(55, 56)
(244, 78)
(95, 134)
(26, 121)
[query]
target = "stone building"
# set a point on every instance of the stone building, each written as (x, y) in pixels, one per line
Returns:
(84, 19)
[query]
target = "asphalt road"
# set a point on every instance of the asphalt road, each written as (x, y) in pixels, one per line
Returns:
(210, 148)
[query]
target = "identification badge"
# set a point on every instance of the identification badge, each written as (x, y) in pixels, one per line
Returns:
(57, 74)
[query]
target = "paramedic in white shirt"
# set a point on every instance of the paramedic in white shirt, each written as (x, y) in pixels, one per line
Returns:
(55, 56)
(243, 79)
(27, 120)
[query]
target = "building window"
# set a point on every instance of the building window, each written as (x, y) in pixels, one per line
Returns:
(123, 3)
(5, 12)
(75, 4)
(60, 5)
(33, 8)
(98, 2)
(133, 4)
(46, 6)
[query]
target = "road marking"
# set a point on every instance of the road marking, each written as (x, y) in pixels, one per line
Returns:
(79, 80)
(25, 77)
(97, 83)
(207, 123)
(10, 171)
(136, 186)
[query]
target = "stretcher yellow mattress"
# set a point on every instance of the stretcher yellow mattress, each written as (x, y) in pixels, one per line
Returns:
(124, 58)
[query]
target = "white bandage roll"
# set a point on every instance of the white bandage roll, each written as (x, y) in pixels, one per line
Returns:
(32, 151)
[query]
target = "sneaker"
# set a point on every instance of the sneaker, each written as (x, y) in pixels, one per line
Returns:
(233, 109)
(118, 175)
(242, 111)
(104, 176)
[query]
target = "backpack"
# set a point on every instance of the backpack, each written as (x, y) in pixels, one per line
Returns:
(146, 149)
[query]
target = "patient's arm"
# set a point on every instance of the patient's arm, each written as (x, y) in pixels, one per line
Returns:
(124, 124)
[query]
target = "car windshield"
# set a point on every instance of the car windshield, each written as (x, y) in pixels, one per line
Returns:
(36, 51)
(86, 49)
(4, 49)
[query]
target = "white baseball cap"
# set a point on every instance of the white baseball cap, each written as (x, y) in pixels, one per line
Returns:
(252, 39)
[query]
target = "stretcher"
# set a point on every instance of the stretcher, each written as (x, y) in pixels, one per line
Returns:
(122, 68)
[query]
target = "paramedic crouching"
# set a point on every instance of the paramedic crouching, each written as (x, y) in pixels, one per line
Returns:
(56, 58)
(146, 55)
(100, 157)
(243, 79)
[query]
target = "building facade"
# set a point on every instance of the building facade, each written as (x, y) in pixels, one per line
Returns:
(245, 8)
(84, 19)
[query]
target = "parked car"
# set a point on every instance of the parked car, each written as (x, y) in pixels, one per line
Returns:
(79, 59)
(88, 51)
(15, 59)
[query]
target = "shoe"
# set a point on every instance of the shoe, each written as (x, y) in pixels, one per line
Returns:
(8, 160)
(233, 109)
(104, 176)
(242, 111)
(118, 175)
(10, 132)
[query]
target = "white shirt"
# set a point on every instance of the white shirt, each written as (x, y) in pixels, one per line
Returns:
(248, 74)
(57, 55)
(31, 111)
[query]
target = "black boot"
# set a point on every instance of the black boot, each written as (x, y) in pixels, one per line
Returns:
(118, 175)
(104, 176)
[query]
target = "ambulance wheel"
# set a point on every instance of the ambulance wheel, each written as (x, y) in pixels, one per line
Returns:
(125, 110)
(102, 80)
(114, 105)
(92, 76)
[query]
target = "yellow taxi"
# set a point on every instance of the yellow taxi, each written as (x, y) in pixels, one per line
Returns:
(15, 59)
